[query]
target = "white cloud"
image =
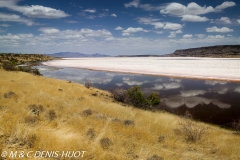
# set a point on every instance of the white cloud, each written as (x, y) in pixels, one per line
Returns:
(159, 32)
(216, 37)
(49, 30)
(157, 25)
(225, 5)
(187, 36)
(134, 3)
(146, 7)
(151, 21)
(118, 28)
(173, 34)
(192, 11)
(192, 8)
(133, 30)
(90, 10)
(113, 15)
(237, 89)
(71, 21)
(168, 86)
(214, 82)
(128, 31)
(4, 25)
(34, 11)
(201, 35)
(126, 34)
(15, 18)
(179, 31)
(191, 93)
(172, 26)
(103, 41)
(174, 9)
(225, 20)
(194, 18)
(238, 21)
(222, 30)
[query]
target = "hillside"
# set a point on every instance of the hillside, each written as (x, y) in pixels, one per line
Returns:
(17, 59)
(221, 51)
(40, 114)
(75, 55)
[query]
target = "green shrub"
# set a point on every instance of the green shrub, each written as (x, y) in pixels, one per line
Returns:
(153, 99)
(136, 97)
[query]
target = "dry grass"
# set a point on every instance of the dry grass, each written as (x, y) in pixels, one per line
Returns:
(110, 131)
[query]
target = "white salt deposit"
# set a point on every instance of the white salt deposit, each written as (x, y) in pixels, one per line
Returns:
(206, 68)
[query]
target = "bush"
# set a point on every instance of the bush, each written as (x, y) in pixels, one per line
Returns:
(236, 125)
(36, 72)
(191, 131)
(153, 99)
(119, 95)
(88, 84)
(9, 67)
(136, 97)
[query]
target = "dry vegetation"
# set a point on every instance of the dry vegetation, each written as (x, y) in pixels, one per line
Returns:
(17, 59)
(43, 114)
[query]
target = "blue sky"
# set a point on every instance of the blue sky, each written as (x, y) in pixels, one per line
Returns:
(116, 27)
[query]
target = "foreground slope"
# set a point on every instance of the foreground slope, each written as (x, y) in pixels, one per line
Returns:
(71, 117)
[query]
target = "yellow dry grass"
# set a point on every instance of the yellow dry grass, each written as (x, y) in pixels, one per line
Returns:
(101, 133)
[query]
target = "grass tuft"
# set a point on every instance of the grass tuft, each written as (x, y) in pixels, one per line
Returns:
(87, 112)
(105, 143)
(155, 157)
(191, 131)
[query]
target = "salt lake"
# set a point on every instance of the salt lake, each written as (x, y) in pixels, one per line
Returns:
(209, 89)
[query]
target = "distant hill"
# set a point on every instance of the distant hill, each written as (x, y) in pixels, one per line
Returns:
(221, 51)
(138, 56)
(76, 55)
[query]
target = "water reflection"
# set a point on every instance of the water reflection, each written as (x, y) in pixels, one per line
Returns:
(211, 101)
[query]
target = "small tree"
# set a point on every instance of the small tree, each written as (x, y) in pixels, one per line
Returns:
(136, 97)
(153, 99)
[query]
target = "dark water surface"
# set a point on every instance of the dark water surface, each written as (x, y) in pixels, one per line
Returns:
(216, 102)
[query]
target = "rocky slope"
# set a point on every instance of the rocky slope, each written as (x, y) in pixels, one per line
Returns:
(221, 51)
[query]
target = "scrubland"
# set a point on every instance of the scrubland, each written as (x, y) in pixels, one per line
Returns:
(44, 114)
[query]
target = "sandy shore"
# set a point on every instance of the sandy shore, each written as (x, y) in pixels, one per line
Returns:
(197, 68)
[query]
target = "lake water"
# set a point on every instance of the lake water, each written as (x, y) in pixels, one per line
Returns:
(212, 101)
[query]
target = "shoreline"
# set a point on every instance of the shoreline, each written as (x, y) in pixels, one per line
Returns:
(151, 74)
